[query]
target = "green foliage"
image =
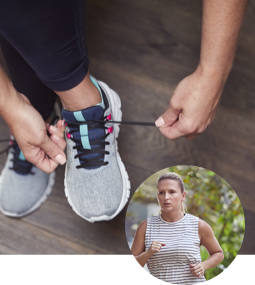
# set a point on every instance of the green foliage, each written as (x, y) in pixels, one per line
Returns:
(212, 199)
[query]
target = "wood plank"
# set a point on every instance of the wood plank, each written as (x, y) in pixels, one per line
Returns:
(18, 237)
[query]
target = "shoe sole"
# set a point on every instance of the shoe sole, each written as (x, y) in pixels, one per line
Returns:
(48, 189)
(115, 104)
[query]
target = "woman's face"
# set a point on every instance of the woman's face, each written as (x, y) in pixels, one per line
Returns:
(169, 195)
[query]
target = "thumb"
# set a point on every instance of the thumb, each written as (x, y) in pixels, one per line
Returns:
(192, 265)
(53, 151)
(168, 118)
(163, 244)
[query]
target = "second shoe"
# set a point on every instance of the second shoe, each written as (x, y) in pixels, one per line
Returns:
(96, 182)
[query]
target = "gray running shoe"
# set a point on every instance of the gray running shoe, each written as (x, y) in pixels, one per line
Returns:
(96, 182)
(23, 187)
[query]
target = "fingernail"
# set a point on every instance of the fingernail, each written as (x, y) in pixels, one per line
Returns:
(60, 159)
(56, 138)
(53, 129)
(160, 122)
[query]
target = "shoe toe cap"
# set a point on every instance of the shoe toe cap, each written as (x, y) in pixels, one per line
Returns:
(20, 193)
(96, 195)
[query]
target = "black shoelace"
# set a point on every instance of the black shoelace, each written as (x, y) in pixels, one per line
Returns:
(25, 167)
(99, 143)
(19, 165)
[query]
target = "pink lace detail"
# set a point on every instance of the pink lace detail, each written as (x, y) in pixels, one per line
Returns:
(109, 117)
(68, 135)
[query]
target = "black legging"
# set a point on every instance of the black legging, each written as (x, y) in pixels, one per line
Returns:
(44, 45)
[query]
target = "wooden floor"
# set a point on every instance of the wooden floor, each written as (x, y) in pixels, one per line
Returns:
(142, 49)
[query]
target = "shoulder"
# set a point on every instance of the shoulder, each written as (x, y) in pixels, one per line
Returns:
(204, 229)
(138, 245)
(192, 218)
(141, 230)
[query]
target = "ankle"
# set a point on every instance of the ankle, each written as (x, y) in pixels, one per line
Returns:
(83, 96)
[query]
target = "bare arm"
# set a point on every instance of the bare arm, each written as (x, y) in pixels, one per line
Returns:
(194, 102)
(29, 128)
(138, 246)
(220, 29)
(208, 240)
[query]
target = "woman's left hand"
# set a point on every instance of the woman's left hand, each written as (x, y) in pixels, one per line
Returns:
(197, 269)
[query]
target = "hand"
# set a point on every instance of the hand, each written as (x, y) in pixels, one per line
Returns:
(57, 134)
(197, 269)
(192, 107)
(29, 130)
(155, 247)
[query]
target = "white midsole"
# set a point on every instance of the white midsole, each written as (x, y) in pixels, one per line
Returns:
(115, 104)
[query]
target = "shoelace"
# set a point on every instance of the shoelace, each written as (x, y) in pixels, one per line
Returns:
(20, 166)
(100, 143)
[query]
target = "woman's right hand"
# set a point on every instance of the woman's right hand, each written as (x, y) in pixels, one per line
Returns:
(154, 247)
(29, 130)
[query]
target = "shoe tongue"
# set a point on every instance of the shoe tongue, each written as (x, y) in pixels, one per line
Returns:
(90, 114)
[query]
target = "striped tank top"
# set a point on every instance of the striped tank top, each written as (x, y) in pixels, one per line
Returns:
(182, 248)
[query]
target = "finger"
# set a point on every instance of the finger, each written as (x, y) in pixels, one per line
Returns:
(172, 132)
(163, 244)
(158, 243)
(53, 130)
(56, 131)
(53, 150)
(61, 125)
(168, 118)
(59, 141)
(38, 158)
(197, 270)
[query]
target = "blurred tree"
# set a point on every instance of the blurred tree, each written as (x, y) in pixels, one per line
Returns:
(210, 198)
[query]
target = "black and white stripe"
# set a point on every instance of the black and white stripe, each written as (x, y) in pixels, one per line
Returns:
(172, 263)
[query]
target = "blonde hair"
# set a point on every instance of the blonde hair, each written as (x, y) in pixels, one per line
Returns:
(176, 177)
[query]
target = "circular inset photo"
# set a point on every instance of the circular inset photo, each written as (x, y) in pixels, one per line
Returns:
(185, 225)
